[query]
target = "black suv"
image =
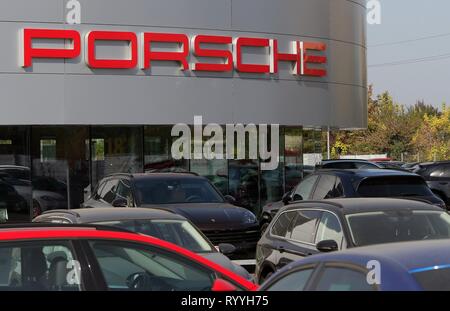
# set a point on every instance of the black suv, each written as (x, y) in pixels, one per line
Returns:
(437, 176)
(344, 164)
(307, 228)
(191, 196)
(328, 184)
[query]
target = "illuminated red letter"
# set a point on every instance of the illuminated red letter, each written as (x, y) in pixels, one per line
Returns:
(313, 59)
(149, 55)
(293, 57)
(253, 68)
(66, 53)
(222, 54)
(92, 60)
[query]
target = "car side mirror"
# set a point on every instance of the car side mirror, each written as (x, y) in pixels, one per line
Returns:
(297, 197)
(230, 199)
(226, 248)
(120, 202)
(287, 197)
(221, 285)
(327, 246)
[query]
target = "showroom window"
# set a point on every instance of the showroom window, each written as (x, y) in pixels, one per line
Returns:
(293, 157)
(15, 177)
(115, 149)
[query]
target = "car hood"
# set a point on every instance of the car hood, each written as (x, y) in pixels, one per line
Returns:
(209, 216)
(225, 262)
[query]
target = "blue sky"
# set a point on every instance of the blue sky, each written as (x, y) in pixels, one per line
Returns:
(404, 20)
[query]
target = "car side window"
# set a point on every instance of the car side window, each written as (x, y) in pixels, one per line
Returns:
(338, 189)
(98, 190)
(329, 229)
(39, 266)
(447, 171)
(128, 266)
(304, 226)
(295, 281)
(305, 188)
(438, 172)
(325, 187)
(282, 224)
(334, 278)
(124, 191)
(108, 193)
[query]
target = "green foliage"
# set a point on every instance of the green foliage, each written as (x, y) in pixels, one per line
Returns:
(420, 130)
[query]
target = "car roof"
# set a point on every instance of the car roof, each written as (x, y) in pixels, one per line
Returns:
(367, 172)
(410, 256)
(359, 205)
(92, 215)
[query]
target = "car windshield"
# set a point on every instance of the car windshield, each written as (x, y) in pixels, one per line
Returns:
(397, 226)
(171, 191)
(179, 232)
(435, 278)
(393, 186)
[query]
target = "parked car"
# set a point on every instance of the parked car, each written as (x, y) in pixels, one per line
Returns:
(191, 196)
(347, 164)
(154, 222)
(307, 228)
(328, 184)
(59, 257)
(405, 266)
(437, 176)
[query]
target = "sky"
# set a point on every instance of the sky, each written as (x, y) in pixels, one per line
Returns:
(408, 20)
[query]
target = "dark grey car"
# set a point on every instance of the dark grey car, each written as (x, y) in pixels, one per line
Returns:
(437, 176)
(157, 223)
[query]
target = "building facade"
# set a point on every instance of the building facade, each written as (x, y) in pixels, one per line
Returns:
(86, 100)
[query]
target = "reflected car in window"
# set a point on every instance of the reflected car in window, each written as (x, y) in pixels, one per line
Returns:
(405, 266)
(308, 228)
(153, 222)
(45, 257)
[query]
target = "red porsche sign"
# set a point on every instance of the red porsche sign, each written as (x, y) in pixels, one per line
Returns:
(303, 54)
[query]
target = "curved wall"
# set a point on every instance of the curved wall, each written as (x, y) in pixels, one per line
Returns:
(57, 92)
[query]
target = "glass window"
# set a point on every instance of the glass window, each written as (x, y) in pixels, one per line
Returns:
(434, 279)
(293, 156)
(157, 150)
(293, 282)
(339, 189)
(398, 226)
(15, 174)
(173, 190)
(124, 191)
(325, 187)
(304, 226)
(244, 183)
(343, 279)
(108, 193)
(35, 267)
(305, 188)
(116, 149)
(215, 170)
(60, 173)
(179, 232)
(329, 229)
(394, 186)
(132, 267)
(282, 224)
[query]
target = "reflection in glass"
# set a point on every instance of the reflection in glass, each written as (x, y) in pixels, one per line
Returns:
(293, 157)
(115, 149)
(157, 150)
(215, 170)
(244, 182)
(15, 182)
(60, 167)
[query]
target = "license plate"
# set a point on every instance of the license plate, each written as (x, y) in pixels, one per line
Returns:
(3, 215)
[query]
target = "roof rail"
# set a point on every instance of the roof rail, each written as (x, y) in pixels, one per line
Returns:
(58, 225)
(62, 211)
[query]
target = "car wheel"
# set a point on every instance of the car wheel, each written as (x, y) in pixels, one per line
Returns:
(37, 210)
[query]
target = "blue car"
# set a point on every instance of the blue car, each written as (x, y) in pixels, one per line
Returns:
(406, 266)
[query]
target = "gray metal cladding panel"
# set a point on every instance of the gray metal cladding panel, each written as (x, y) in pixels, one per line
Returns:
(49, 11)
(214, 14)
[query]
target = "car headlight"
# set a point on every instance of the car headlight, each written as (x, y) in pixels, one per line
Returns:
(249, 218)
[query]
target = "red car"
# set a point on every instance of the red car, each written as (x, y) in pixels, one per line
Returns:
(74, 258)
